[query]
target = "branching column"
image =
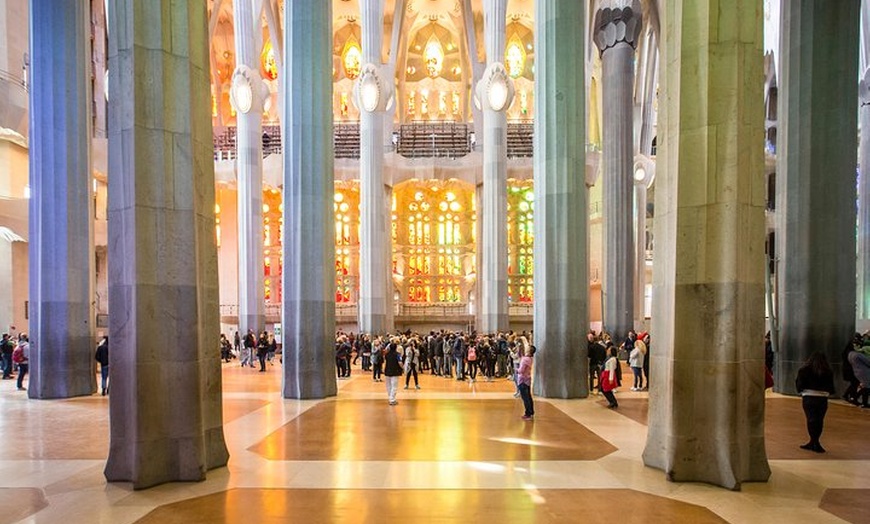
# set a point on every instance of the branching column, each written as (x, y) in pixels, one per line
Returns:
(249, 173)
(309, 250)
(617, 26)
(494, 278)
(815, 183)
(707, 399)
(561, 282)
(375, 294)
(165, 402)
(61, 206)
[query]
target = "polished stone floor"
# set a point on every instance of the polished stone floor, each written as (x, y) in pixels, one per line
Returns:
(450, 451)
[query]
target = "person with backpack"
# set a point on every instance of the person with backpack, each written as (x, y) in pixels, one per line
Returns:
(608, 381)
(21, 357)
(471, 358)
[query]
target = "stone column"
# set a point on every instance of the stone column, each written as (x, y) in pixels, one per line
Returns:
(61, 206)
(493, 241)
(165, 403)
(815, 184)
(375, 296)
(561, 215)
(308, 316)
(617, 26)
(707, 406)
(249, 176)
(863, 287)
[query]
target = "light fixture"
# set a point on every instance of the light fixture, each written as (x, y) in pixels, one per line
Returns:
(496, 88)
(639, 174)
(371, 92)
(247, 90)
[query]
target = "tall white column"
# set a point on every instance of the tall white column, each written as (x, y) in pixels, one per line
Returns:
(61, 206)
(165, 404)
(561, 216)
(249, 175)
(308, 317)
(375, 290)
(617, 26)
(493, 241)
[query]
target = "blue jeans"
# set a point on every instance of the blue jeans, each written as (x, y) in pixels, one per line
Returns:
(22, 370)
(528, 404)
(7, 365)
(104, 375)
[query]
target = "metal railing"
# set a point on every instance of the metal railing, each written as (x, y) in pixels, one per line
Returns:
(9, 78)
(432, 310)
(345, 141)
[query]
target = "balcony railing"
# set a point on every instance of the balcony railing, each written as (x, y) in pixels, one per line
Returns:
(345, 141)
(520, 139)
(431, 310)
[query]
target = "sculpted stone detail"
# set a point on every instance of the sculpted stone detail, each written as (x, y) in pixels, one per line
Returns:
(617, 21)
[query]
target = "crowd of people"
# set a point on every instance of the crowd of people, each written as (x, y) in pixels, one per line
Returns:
(15, 355)
(263, 347)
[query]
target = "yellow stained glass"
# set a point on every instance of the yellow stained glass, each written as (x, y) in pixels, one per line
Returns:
(433, 56)
(351, 59)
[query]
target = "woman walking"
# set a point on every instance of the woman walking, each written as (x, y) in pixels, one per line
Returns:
(524, 382)
(607, 383)
(815, 382)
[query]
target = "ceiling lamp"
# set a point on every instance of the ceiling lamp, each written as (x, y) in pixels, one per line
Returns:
(433, 57)
(268, 64)
(351, 59)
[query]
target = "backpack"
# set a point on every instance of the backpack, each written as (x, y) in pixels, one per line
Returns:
(472, 353)
(18, 355)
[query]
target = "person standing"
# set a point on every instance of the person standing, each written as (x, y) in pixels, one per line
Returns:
(608, 382)
(524, 382)
(635, 361)
(262, 350)
(102, 356)
(250, 345)
(377, 359)
(411, 360)
(6, 349)
(596, 359)
(815, 383)
(392, 370)
(237, 343)
(645, 338)
(21, 356)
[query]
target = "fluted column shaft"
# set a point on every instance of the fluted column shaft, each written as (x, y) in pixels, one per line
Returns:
(249, 176)
(561, 217)
(494, 278)
(165, 405)
(309, 249)
(815, 183)
(863, 287)
(706, 421)
(375, 295)
(61, 208)
(616, 30)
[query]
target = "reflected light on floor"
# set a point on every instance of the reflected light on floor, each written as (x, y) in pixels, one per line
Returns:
(487, 467)
(534, 494)
(520, 441)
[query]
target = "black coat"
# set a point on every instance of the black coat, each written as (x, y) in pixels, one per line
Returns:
(392, 368)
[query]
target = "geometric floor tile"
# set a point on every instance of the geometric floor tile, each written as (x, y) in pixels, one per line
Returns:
(432, 430)
(19, 503)
(851, 505)
(844, 436)
(545, 506)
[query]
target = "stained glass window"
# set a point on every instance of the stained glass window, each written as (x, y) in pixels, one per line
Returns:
(521, 239)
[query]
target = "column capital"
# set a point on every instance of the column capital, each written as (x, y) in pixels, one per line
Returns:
(617, 21)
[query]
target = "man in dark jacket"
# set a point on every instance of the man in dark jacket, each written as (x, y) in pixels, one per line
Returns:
(102, 356)
(6, 350)
(597, 356)
(459, 356)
